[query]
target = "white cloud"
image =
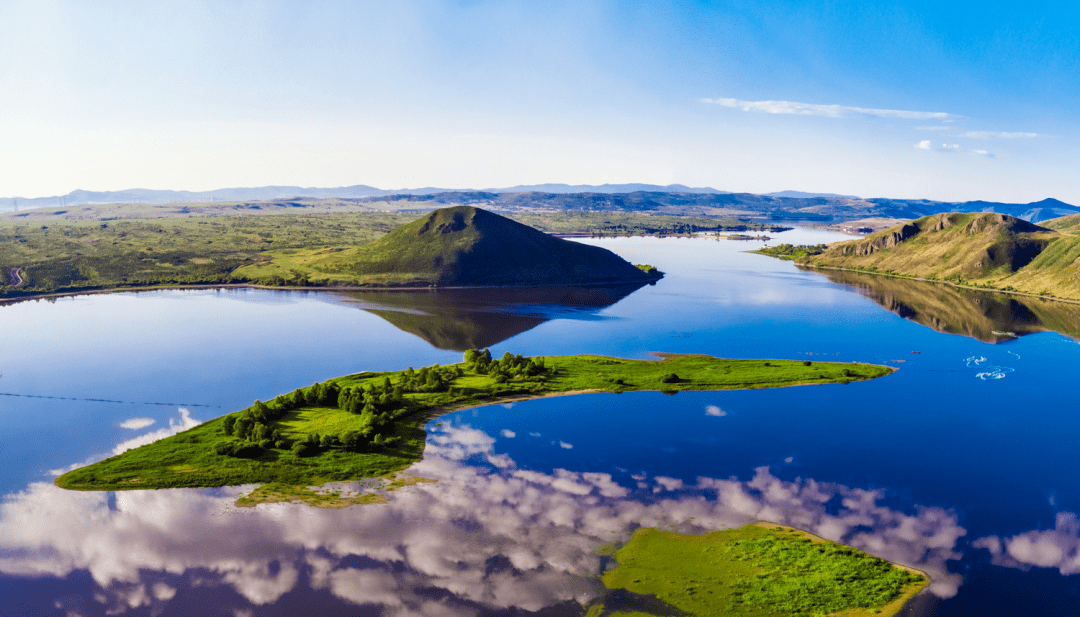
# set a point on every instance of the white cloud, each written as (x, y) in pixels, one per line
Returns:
(998, 135)
(163, 592)
(509, 434)
(830, 111)
(566, 446)
(983, 153)
(926, 144)
(713, 410)
(137, 423)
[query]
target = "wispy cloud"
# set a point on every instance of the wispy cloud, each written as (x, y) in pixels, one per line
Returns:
(998, 135)
(926, 144)
(988, 155)
(829, 111)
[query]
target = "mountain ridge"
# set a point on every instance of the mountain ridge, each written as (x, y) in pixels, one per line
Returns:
(986, 250)
(671, 200)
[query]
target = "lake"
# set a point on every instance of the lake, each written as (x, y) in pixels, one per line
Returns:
(962, 463)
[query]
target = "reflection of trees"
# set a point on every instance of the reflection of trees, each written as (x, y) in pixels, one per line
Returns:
(460, 319)
(986, 316)
(486, 536)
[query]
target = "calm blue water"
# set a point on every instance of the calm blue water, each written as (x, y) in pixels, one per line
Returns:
(961, 463)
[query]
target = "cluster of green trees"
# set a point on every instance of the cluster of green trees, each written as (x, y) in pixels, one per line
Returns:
(377, 405)
(508, 367)
(354, 441)
(793, 252)
(433, 378)
(254, 428)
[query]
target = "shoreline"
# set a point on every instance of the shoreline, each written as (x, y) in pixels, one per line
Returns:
(810, 266)
(401, 288)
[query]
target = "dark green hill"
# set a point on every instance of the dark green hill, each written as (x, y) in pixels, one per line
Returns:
(465, 246)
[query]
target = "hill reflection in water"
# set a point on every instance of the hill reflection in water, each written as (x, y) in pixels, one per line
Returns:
(460, 319)
(982, 315)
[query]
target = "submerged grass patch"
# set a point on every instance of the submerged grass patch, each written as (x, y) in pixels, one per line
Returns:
(369, 425)
(762, 571)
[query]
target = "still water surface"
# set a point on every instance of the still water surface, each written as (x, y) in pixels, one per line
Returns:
(963, 463)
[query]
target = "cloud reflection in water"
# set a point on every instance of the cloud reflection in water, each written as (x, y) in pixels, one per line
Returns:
(1057, 548)
(487, 536)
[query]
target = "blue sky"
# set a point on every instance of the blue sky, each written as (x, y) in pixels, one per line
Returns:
(897, 99)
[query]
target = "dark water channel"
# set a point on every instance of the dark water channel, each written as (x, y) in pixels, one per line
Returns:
(962, 463)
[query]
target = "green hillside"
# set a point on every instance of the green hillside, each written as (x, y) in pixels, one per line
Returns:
(455, 247)
(1065, 224)
(981, 250)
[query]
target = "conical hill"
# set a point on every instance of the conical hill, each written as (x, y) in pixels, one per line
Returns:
(466, 246)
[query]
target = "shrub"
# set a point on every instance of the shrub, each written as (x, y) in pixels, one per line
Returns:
(670, 378)
(238, 449)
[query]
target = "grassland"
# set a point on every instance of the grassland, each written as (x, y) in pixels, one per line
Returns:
(85, 255)
(760, 571)
(94, 248)
(369, 425)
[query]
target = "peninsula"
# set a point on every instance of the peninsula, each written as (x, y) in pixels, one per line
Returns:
(981, 250)
(369, 425)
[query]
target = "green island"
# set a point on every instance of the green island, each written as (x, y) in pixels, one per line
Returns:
(759, 570)
(370, 425)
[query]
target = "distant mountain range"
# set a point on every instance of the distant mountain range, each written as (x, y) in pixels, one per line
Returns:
(80, 197)
(675, 199)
